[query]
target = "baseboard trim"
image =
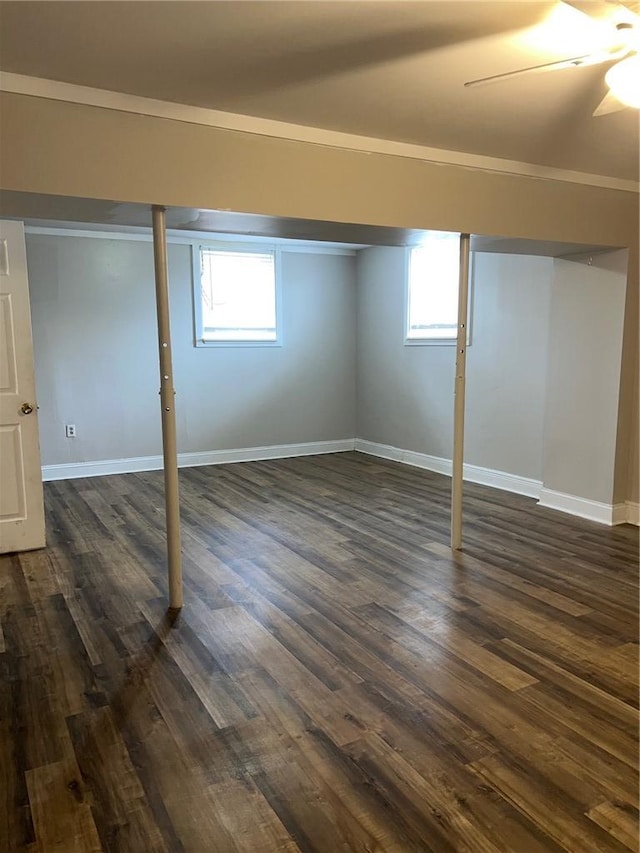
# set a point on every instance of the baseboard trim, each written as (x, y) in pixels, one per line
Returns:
(619, 513)
(622, 513)
(603, 513)
(633, 513)
(104, 467)
(472, 473)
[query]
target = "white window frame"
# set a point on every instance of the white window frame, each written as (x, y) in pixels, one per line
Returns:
(427, 341)
(249, 248)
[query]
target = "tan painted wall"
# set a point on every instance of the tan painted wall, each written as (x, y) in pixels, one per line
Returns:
(58, 148)
(633, 490)
(627, 474)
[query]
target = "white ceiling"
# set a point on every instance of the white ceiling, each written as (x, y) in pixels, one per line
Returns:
(391, 70)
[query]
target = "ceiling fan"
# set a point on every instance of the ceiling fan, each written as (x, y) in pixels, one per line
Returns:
(621, 46)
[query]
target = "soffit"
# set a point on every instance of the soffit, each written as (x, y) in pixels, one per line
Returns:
(64, 212)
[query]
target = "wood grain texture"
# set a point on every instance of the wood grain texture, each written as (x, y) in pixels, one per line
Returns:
(338, 680)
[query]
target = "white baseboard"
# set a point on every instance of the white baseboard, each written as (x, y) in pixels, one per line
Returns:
(472, 473)
(502, 480)
(633, 513)
(409, 457)
(603, 513)
(102, 467)
(623, 513)
(619, 513)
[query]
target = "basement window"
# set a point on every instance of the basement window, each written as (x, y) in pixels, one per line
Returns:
(236, 295)
(433, 270)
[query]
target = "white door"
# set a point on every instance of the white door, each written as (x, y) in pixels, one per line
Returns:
(21, 499)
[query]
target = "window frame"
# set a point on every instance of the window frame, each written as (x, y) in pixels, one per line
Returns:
(431, 342)
(239, 247)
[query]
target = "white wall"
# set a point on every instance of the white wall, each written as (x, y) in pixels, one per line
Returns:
(585, 349)
(93, 308)
(405, 393)
(542, 369)
(507, 363)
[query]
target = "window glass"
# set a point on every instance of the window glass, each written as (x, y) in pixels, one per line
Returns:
(433, 288)
(238, 295)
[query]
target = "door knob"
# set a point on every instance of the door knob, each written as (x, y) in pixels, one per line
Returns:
(26, 408)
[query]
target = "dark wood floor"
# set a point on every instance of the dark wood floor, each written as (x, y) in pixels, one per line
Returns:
(336, 681)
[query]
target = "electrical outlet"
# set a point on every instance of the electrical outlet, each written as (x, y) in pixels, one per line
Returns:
(70, 430)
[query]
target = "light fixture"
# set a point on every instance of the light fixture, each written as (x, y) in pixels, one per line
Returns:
(624, 81)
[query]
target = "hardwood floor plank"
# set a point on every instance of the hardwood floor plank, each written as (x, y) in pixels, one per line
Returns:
(430, 753)
(13, 584)
(535, 796)
(585, 662)
(16, 824)
(311, 654)
(175, 791)
(338, 680)
(61, 814)
(357, 808)
(76, 685)
(466, 650)
(322, 705)
(432, 812)
(216, 690)
(35, 719)
(619, 820)
(39, 574)
(601, 719)
(249, 819)
(119, 807)
(513, 580)
(547, 671)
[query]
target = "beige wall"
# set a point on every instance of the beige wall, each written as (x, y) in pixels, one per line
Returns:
(627, 472)
(59, 148)
(632, 492)
(67, 149)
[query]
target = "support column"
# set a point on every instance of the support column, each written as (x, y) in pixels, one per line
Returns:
(167, 402)
(458, 392)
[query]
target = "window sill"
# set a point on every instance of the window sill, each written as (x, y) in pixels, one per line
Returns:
(430, 342)
(201, 343)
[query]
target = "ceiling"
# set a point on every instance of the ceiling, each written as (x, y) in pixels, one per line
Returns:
(391, 70)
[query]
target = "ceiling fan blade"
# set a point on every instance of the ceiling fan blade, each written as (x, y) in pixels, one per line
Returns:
(609, 104)
(587, 59)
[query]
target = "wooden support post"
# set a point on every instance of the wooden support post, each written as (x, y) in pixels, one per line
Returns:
(459, 389)
(167, 402)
